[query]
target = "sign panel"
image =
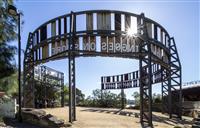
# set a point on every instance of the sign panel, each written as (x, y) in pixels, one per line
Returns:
(103, 44)
(92, 43)
(118, 22)
(76, 45)
(107, 79)
(135, 83)
(103, 21)
(165, 57)
(89, 43)
(149, 30)
(53, 28)
(65, 25)
(161, 36)
(59, 46)
(45, 51)
(43, 33)
(118, 44)
(89, 21)
(129, 80)
(159, 52)
(59, 27)
(158, 76)
(155, 32)
(127, 22)
(86, 44)
(126, 77)
(64, 44)
(53, 48)
(131, 45)
(110, 44)
(124, 44)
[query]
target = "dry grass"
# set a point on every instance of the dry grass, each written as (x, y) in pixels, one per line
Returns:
(115, 118)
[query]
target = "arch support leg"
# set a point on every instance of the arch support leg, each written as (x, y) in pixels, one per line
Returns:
(72, 90)
(145, 86)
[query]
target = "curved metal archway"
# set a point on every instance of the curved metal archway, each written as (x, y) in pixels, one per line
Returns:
(106, 33)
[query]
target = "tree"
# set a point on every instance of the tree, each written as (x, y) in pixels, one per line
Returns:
(156, 98)
(103, 99)
(9, 85)
(136, 96)
(8, 26)
(80, 97)
(66, 94)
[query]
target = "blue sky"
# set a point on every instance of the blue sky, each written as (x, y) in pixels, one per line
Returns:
(180, 18)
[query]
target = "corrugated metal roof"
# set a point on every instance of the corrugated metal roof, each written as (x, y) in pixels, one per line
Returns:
(190, 86)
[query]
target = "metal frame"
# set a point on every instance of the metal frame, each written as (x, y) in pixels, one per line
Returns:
(169, 72)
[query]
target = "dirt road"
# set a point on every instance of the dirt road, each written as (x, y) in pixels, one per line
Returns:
(115, 118)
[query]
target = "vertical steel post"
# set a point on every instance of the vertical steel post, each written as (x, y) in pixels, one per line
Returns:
(72, 87)
(74, 68)
(139, 24)
(69, 68)
(150, 84)
(102, 87)
(62, 90)
(162, 90)
(165, 90)
(122, 99)
(45, 87)
(33, 77)
(141, 88)
(175, 80)
(180, 95)
(145, 76)
(122, 93)
(74, 91)
(102, 94)
(169, 97)
(19, 70)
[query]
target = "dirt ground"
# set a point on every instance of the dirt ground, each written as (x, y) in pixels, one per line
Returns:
(115, 118)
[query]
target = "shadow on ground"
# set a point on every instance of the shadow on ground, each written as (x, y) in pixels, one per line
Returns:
(13, 123)
(118, 112)
(172, 121)
(156, 118)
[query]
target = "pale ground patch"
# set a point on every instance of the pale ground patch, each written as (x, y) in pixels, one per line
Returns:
(113, 118)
